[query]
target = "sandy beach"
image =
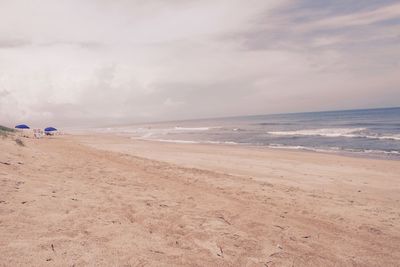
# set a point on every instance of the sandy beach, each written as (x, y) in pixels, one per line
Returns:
(104, 200)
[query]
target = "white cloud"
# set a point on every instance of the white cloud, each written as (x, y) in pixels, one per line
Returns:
(101, 61)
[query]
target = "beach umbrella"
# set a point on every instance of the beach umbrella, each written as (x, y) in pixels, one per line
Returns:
(22, 126)
(50, 129)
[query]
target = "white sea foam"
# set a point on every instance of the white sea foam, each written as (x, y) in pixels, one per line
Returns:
(220, 142)
(194, 128)
(154, 130)
(335, 150)
(188, 141)
(327, 132)
(338, 132)
(330, 150)
(174, 141)
(390, 137)
(373, 151)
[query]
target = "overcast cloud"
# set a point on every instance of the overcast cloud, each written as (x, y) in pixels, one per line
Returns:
(73, 62)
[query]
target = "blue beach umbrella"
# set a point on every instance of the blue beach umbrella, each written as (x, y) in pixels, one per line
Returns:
(50, 129)
(22, 126)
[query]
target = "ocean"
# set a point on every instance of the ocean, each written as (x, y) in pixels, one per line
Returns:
(368, 132)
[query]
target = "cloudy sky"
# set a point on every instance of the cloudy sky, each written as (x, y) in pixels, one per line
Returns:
(101, 62)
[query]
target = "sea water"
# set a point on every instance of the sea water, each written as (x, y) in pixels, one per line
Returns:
(372, 132)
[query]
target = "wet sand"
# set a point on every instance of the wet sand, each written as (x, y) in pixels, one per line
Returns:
(100, 200)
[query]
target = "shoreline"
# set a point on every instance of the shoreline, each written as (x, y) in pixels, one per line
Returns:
(352, 154)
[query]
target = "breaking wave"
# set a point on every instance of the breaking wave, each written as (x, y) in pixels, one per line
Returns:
(328, 132)
(336, 150)
(338, 132)
(194, 128)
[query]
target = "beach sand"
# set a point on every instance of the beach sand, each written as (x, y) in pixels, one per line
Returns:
(103, 200)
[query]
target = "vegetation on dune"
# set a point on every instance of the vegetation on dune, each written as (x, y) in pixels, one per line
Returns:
(5, 130)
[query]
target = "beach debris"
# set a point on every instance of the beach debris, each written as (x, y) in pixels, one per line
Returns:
(74, 199)
(279, 246)
(49, 259)
(307, 236)
(52, 247)
(23, 202)
(5, 163)
(156, 251)
(221, 254)
(225, 220)
(280, 227)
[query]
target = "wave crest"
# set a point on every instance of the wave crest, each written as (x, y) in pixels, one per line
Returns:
(338, 132)
(327, 132)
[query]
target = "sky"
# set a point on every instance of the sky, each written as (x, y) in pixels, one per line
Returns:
(104, 62)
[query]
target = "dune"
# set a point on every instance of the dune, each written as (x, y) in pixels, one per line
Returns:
(5, 130)
(79, 200)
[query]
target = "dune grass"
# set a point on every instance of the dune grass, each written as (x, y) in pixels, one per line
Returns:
(5, 130)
